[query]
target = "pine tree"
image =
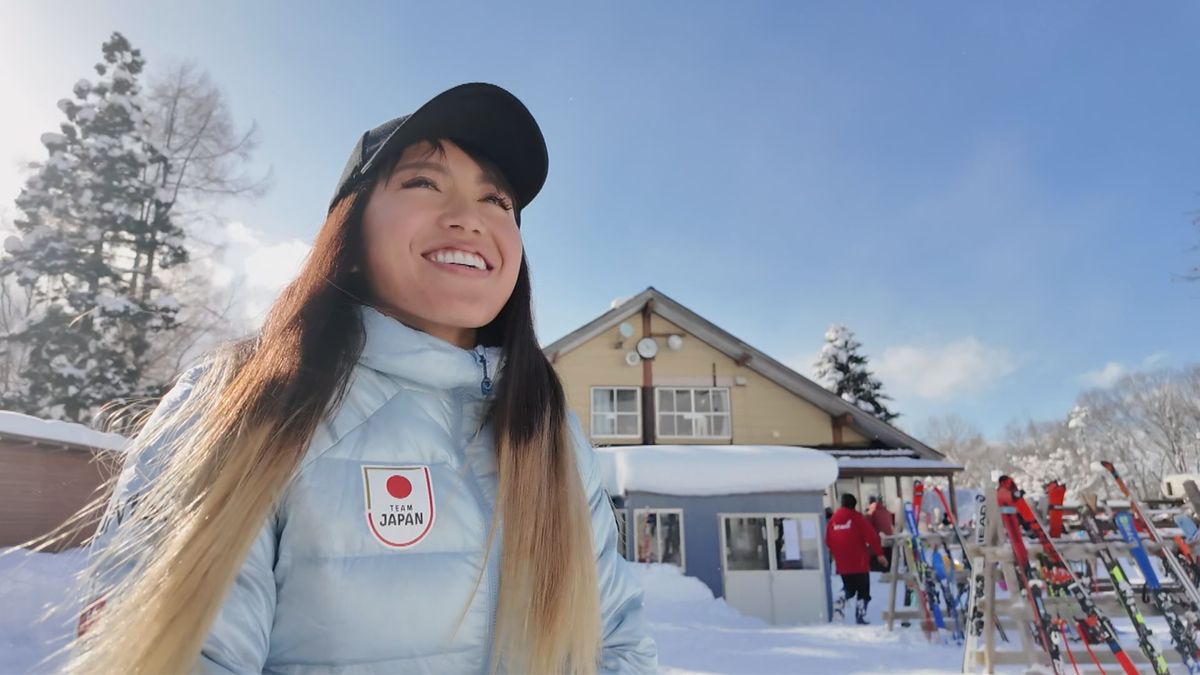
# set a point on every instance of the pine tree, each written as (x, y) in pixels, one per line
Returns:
(843, 370)
(93, 232)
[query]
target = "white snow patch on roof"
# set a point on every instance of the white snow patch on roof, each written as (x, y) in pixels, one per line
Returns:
(68, 433)
(894, 463)
(715, 469)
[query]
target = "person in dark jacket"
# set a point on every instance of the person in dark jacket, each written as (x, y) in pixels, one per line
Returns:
(849, 537)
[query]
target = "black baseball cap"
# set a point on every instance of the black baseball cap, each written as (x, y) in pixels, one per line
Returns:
(485, 117)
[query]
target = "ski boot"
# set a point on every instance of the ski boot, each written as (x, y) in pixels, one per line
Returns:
(839, 607)
(860, 612)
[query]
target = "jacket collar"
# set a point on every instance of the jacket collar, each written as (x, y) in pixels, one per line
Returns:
(396, 349)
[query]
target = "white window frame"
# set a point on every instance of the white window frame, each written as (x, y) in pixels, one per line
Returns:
(728, 414)
(592, 411)
(658, 534)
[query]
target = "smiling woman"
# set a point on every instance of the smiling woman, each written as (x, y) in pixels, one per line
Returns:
(442, 244)
(354, 458)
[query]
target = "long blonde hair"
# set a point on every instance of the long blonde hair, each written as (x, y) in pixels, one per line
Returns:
(229, 452)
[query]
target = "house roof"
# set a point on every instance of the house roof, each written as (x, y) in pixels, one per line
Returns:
(26, 429)
(863, 422)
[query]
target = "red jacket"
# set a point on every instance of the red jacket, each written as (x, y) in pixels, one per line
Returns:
(880, 518)
(848, 535)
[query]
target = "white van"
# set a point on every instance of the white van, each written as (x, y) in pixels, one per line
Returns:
(1172, 485)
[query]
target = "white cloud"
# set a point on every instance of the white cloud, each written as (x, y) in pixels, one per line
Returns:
(1154, 359)
(259, 265)
(1113, 371)
(1104, 377)
(955, 368)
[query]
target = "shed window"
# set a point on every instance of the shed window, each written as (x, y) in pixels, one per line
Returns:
(693, 413)
(796, 544)
(659, 536)
(616, 412)
(746, 544)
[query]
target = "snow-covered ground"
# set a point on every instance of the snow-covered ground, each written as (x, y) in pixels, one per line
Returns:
(31, 585)
(696, 633)
(699, 634)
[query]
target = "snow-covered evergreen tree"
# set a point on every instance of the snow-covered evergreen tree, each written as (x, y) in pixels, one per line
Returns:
(93, 231)
(842, 369)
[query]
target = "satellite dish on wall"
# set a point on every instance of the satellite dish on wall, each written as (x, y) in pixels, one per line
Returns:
(675, 343)
(626, 330)
(632, 358)
(647, 348)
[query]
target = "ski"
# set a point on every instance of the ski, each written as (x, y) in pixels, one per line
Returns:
(918, 499)
(1165, 602)
(946, 578)
(1171, 561)
(1193, 495)
(1063, 579)
(1188, 526)
(1056, 493)
(1062, 630)
(1184, 551)
(954, 526)
(978, 589)
(1126, 594)
(928, 589)
(1043, 624)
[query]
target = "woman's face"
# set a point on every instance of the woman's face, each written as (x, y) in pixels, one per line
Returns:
(442, 244)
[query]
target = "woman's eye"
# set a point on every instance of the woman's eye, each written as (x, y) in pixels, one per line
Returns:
(419, 181)
(499, 200)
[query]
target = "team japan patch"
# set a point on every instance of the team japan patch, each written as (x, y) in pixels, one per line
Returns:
(399, 499)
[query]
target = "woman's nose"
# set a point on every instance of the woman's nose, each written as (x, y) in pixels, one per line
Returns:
(461, 215)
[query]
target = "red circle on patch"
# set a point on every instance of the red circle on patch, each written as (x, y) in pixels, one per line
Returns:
(399, 487)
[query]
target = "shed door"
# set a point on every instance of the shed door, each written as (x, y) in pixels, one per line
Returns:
(798, 578)
(773, 566)
(746, 565)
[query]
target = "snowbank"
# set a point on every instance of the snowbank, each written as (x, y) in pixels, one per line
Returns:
(69, 433)
(697, 633)
(715, 469)
(38, 617)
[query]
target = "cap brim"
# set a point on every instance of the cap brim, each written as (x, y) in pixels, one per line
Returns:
(489, 119)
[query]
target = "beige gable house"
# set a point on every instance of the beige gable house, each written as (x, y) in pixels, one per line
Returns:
(651, 371)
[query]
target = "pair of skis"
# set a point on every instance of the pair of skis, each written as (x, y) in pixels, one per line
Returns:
(940, 563)
(927, 589)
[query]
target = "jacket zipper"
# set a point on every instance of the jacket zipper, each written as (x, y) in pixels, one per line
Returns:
(485, 385)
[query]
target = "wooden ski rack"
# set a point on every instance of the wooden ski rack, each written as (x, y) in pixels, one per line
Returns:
(995, 558)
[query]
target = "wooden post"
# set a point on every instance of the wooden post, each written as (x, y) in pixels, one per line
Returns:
(648, 403)
(895, 571)
(953, 498)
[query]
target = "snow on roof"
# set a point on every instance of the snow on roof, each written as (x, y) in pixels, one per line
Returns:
(871, 452)
(715, 469)
(898, 463)
(67, 433)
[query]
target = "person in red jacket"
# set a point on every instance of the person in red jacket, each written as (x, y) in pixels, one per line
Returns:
(849, 535)
(884, 523)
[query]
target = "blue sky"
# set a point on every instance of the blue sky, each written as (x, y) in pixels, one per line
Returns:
(998, 200)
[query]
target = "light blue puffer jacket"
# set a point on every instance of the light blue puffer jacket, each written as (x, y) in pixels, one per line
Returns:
(328, 589)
